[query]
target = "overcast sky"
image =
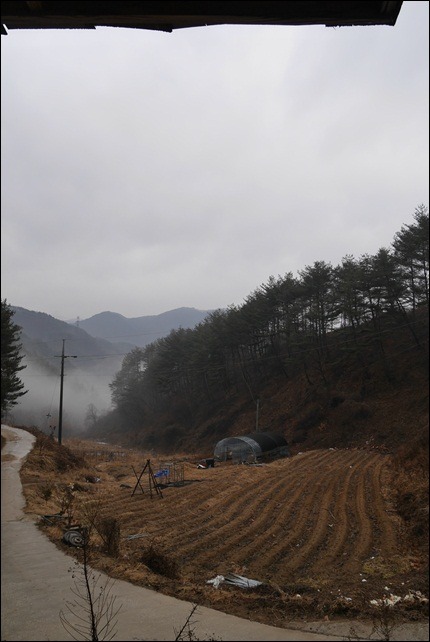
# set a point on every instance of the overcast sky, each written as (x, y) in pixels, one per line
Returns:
(145, 171)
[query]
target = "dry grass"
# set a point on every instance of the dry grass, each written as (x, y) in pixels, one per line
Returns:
(312, 528)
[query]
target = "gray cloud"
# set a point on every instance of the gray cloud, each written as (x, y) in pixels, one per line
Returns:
(146, 171)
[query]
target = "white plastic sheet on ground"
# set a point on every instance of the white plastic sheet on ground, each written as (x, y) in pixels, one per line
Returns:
(233, 578)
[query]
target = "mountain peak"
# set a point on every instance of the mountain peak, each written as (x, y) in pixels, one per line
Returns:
(143, 330)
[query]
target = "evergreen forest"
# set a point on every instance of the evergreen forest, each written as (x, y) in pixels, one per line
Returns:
(297, 350)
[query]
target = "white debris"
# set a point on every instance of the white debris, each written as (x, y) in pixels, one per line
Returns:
(216, 581)
(236, 580)
(391, 600)
(413, 596)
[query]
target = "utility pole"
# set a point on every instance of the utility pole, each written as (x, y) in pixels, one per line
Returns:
(60, 414)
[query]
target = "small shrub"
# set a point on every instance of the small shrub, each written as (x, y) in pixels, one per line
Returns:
(110, 532)
(46, 491)
(67, 500)
(159, 562)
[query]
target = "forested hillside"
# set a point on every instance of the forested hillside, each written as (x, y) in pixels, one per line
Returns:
(337, 356)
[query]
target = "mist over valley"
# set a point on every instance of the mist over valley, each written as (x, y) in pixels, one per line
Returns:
(90, 364)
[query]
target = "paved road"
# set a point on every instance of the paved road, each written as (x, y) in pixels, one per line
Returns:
(36, 583)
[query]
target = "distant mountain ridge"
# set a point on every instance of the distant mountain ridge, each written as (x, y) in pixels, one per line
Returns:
(45, 333)
(99, 344)
(87, 377)
(140, 331)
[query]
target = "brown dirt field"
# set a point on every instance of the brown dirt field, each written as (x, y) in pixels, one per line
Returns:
(318, 529)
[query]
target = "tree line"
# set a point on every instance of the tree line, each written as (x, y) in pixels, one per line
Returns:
(287, 326)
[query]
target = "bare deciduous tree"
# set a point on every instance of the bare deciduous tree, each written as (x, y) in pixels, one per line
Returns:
(92, 614)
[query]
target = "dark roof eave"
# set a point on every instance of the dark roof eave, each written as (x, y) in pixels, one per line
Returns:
(167, 16)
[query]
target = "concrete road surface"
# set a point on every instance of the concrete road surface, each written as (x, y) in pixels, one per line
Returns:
(36, 582)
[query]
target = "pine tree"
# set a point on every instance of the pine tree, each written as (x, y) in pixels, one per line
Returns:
(411, 247)
(11, 385)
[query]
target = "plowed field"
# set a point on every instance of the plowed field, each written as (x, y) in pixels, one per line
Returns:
(318, 529)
